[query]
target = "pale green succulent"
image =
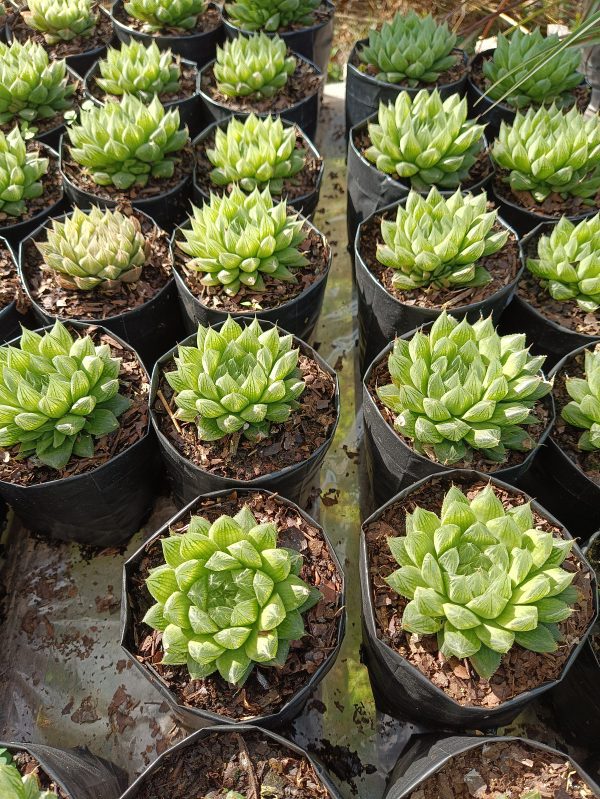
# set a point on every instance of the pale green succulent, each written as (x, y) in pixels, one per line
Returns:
(236, 379)
(411, 49)
(227, 597)
(21, 170)
(224, 794)
(126, 144)
(15, 786)
(549, 151)
(463, 387)
(425, 140)
(57, 393)
(510, 70)
(95, 249)
(584, 409)
(140, 70)
(568, 262)
(255, 153)
(61, 20)
(271, 15)
(234, 239)
(163, 15)
(254, 66)
(439, 242)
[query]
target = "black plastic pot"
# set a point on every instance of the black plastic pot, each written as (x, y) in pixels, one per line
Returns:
(313, 42)
(400, 689)
(100, 508)
(149, 329)
(381, 317)
(167, 210)
(197, 47)
(79, 773)
(304, 113)
(10, 318)
(305, 204)
(189, 481)
(364, 92)
(428, 754)
(192, 717)
(138, 791)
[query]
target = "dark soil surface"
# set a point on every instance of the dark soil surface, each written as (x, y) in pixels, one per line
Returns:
(27, 764)
(451, 75)
(52, 185)
(553, 206)
(520, 669)
(207, 21)
(593, 556)
(101, 36)
(187, 87)
(320, 15)
(10, 285)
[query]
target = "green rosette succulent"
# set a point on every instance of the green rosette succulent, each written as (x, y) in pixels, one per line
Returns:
(235, 239)
(21, 171)
(510, 70)
(236, 380)
(568, 262)
(139, 70)
(254, 66)
(32, 87)
(95, 249)
(126, 144)
(463, 387)
(584, 409)
(425, 140)
(61, 20)
(438, 242)
(482, 578)
(15, 786)
(255, 153)
(549, 151)
(227, 597)
(163, 15)
(57, 393)
(411, 49)
(271, 15)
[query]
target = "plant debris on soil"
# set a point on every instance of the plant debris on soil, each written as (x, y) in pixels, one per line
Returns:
(27, 764)
(520, 669)
(101, 36)
(207, 21)
(503, 267)
(133, 424)
(276, 292)
(55, 299)
(51, 185)
(553, 206)
(290, 443)
(510, 769)
(320, 15)
(42, 126)
(593, 556)
(11, 289)
(267, 689)
(187, 86)
(450, 75)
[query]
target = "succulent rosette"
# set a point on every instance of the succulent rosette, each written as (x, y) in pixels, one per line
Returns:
(140, 70)
(163, 15)
(61, 20)
(583, 411)
(21, 171)
(254, 66)
(271, 15)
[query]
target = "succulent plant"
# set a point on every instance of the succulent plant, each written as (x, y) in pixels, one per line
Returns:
(127, 143)
(31, 87)
(15, 786)
(225, 794)
(411, 49)
(425, 140)
(584, 409)
(61, 20)
(143, 71)
(439, 242)
(20, 173)
(236, 380)
(271, 15)
(568, 262)
(57, 393)
(236, 238)
(463, 387)
(227, 597)
(95, 249)
(510, 71)
(255, 152)
(254, 66)
(162, 15)
(482, 578)
(549, 151)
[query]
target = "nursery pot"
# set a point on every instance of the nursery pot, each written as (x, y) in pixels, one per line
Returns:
(10, 318)
(306, 204)
(197, 47)
(365, 92)
(400, 689)
(189, 480)
(149, 328)
(102, 507)
(382, 317)
(197, 717)
(79, 773)
(313, 42)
